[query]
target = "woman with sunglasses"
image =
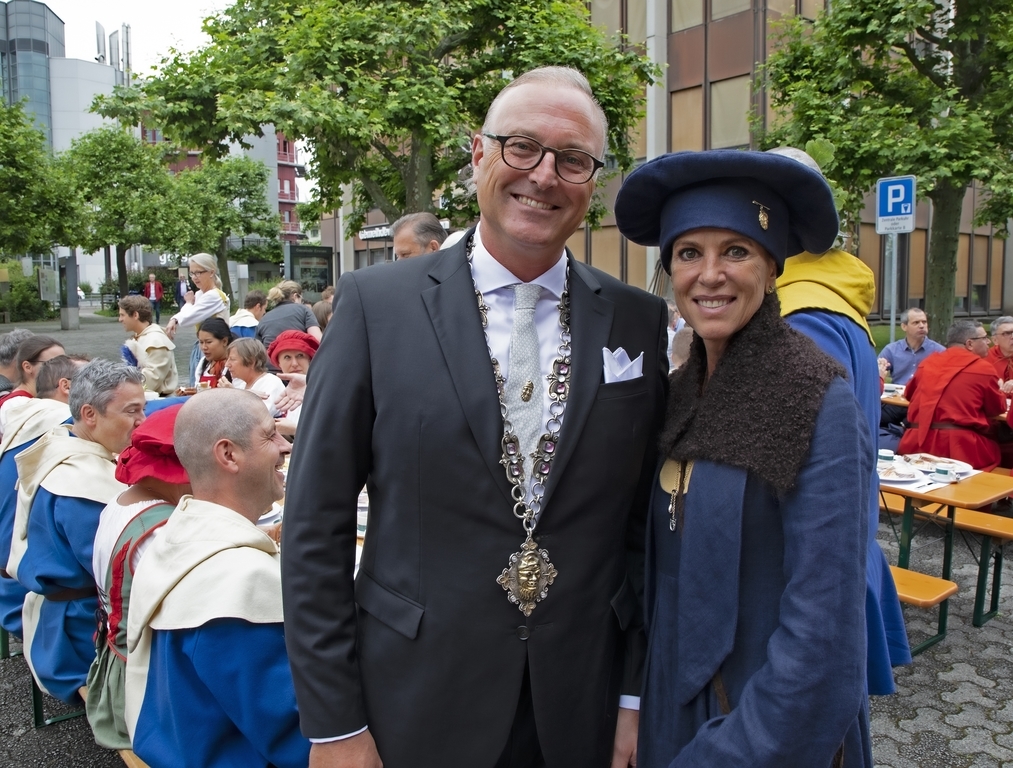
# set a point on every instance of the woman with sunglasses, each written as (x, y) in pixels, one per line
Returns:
(209, 301)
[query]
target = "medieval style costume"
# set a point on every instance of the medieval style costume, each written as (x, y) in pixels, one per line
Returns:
(65, 481)
(827, 298)
(26, 426)
(208, 681)
(954, 395)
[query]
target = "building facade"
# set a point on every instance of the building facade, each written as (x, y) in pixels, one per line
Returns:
(710, 51)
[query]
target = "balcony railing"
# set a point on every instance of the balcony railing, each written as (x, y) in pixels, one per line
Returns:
(291, 195)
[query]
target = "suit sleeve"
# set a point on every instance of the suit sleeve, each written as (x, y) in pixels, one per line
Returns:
(636, 638)
(330, 463)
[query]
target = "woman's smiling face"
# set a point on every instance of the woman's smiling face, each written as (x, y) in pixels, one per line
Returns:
(719, 278)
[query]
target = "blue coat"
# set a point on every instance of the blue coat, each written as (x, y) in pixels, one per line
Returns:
(771, 591)
(846, 342)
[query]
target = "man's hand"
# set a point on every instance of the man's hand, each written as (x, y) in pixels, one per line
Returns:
(624, 751)
(884, 367)
(356, 752)
(1006, 387)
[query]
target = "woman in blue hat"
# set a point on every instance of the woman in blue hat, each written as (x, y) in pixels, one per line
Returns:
(756, 550)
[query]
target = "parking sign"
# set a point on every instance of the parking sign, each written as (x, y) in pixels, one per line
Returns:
(895, 205)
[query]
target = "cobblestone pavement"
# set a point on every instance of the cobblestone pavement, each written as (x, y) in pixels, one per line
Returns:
(953, 708)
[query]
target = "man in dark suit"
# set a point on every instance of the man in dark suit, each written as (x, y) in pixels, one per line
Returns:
(427, 660)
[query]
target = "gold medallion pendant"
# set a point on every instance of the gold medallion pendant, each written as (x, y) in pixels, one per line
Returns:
(527, 576)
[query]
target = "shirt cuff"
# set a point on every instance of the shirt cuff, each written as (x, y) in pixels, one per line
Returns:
(629, 702)
(366, 727)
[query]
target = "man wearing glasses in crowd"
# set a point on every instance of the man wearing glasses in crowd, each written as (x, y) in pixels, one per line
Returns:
(954, 397)
(494, 621)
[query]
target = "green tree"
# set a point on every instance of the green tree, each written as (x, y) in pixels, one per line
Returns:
(906, 86)
(124, 186)
(386, 94)
(217, 200)
(37, 209)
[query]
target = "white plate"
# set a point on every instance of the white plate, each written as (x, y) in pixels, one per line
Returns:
(900, 474)
(926, 462)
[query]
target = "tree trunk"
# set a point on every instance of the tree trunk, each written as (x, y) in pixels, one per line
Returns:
(121, 269)
(108, 264)
(947, 200)
(223, 267)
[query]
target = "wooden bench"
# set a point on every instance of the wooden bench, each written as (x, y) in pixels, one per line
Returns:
(992, 528)
(923, 591)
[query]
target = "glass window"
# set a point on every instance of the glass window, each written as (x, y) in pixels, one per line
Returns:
(729, 110)
(916, 266)
(722, 8)
(868, 251)
(995, 285)
(636, 21)
(607, 14)
(686, 14)
(576, 245)
(605, 250)
(636, 265)
(687, 119)
(963, 264)
(783, 7)
(812, 8)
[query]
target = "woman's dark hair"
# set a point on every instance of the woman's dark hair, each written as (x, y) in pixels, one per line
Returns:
(34, 346)
(217, 328)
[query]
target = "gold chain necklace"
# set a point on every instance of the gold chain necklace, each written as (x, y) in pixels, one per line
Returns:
(529, 572)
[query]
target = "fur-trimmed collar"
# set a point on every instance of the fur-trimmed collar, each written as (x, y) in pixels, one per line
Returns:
(759, 408)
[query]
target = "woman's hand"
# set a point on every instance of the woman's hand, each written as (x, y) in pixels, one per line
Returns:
(285, 427)
(224, 383)
(294, 392)
(188, 297)
(171, 327)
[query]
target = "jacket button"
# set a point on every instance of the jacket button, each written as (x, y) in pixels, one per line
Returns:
(523, 633)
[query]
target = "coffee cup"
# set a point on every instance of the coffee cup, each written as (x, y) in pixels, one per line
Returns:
(944, 474)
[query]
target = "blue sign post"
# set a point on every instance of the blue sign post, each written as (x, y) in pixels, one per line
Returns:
(895, 214)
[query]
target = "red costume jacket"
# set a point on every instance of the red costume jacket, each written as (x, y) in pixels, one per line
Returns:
(954, 395)
(147, 290)
(1003, 365)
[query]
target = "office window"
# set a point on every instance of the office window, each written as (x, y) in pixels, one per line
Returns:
(605, 250)
(812, 8)
(636, 265)
(607, 14)
(729, 111)
(869, 252)
(638, 136)
(963, 268)
(722, 8)
(687, 119)
(636, 21)
(576, 245)
(783, 7)
(995, 284)
(916, 267)
(979, 274)
(686, 14)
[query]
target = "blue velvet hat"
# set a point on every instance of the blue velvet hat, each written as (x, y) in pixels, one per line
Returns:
(777, 201)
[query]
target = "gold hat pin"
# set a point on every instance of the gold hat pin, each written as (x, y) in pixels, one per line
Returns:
(764, 215)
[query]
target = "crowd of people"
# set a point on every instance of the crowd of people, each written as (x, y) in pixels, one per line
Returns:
(602, 531)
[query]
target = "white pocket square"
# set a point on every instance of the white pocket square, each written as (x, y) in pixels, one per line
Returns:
(619, 367)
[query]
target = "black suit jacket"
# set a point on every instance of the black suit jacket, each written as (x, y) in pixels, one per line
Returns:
(425, 648)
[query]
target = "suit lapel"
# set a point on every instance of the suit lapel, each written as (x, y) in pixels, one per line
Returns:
(453, 310)
(590, 327)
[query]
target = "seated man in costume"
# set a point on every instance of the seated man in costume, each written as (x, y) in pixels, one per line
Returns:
(39, 415)
(244, 322)
(151, 349)
(65, 480)
(954, 396)
(208, 680)
(129, 524)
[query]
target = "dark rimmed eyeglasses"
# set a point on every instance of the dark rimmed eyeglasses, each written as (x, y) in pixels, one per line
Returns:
(522, 153)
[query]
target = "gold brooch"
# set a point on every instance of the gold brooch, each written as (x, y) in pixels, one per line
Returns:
(764, 216)
(526, 391)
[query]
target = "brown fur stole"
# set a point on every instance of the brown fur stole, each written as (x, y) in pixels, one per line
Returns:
(758, 411)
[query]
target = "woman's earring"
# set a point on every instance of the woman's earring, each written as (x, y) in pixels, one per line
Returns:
(770, 290)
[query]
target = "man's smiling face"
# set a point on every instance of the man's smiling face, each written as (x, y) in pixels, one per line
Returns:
(530, 214)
